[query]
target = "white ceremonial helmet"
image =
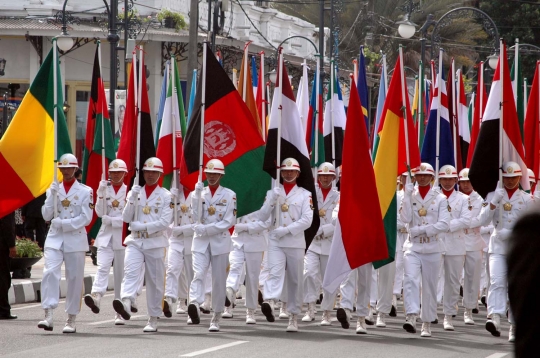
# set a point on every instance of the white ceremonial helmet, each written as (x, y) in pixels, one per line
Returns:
(425, 168)
(68, 160)
(153, 164)
(532, 177)
(464, 174)
(511, 169)
(118, 165)
(215, 166)
(326, 169)
(448, 171)
(292, 164)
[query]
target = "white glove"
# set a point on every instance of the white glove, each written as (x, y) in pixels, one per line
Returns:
(200, 230)
(417, 231)
(174, 192)
(135, 191)
(137, 226)
(319, 232)
(56, 223)
(240, 227)
(497, 196)
(54, 187)
(409, 187)
(106, 220)
(274, 195)
(177, 231)
(102, 189)
(280, 232)
(199, 186)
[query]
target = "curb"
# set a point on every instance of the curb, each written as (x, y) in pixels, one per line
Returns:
(30, 291)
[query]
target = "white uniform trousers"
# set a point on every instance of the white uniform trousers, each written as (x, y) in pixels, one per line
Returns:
(421, 269)
(484, 277)
(208, 279)
(52, 273)
(186, 277)
(252, 261)
(278, 259)
(153, 261)
(471, 279)
(387, 273)
(175, 266)
(263, 276)
(358, 281)
(440, 283)
(314, 268)
(453, 268)
(202, 264)
(105, 257)
(498, 288)
(374, 291)
(398, 281)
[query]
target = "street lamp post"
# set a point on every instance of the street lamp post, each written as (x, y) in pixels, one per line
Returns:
(64, 41)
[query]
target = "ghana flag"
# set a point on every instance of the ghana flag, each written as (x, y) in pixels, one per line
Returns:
(230, 135)
(27, 147)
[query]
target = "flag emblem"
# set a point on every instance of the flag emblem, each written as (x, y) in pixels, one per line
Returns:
(219, 139)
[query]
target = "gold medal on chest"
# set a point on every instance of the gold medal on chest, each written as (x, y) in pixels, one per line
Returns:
(422, 211)
(507, 206)
(211, 210)
(285, 207)
(115, 203)
(184, 208)
(146, 210)
(65, 203)
(322, 213)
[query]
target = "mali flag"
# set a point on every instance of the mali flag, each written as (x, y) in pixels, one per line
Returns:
(390, 157)
(230, 135)
(27, 147)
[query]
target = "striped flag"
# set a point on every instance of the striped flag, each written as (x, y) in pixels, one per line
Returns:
(334, 114)
(479, 108)
(532, 126)
(362, 87)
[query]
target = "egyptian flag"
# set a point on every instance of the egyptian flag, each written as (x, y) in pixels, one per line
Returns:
(293, 143)
(531, 126)
(484, 171)
(230, 135)
(350, 250)
(478, 112)
(97, 123)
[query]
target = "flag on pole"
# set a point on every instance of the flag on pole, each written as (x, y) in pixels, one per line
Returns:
(383, 88)
(315, 125)
(162, 98)
(362, 87)
(451, 92)
(462, 114)
(245, 88)
(260, 99)
(27, 147)
(334, 113)
(484, 172)
(293, 143)
(350, 250)
(254, 76)
(516, 74)
(390, 158)
(479, 108)
(230, 135)
(532, 126)
(192, 94)
(97, 120)
(302, 101)
(173, 120)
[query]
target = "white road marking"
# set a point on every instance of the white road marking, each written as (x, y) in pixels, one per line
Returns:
(213, 349)
(498, 355)
(112, 320)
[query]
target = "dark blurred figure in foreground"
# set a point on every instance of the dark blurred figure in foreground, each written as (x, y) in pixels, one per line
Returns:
(7, 250)
(524, 282)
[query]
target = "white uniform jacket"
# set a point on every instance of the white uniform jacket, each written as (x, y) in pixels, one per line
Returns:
(436, 220)
(157, 218)
(185, 220)
(321, 243)
(473, 237)
(75, 210)
(112, 205)
(454, 237)
(255, 238)
(402, 228)
(517, 205)
(218, 216)
(296, 218)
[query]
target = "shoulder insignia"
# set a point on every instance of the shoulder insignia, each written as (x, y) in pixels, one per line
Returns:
(91, 206)
(484, 204)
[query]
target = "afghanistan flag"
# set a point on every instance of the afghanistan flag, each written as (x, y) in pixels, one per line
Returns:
(98, 128)
(27, 147)
(230, 135)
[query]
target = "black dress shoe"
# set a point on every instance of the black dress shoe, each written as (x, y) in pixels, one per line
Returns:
(475, 310)
(8, 316)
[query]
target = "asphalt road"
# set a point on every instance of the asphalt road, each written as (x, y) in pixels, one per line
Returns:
(98, 337)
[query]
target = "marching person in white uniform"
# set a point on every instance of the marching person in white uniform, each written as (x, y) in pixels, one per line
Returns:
(474, 245)
(149, 214)
(316, 257)
(179, 250)
(513, 202)
(428, 214)
(110, 203)
(454, 242)
(212, 241)
(69, 207)
(250, 241)
(286, 244)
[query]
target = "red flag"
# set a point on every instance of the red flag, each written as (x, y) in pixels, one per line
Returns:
(532, 127)
(479, 108)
